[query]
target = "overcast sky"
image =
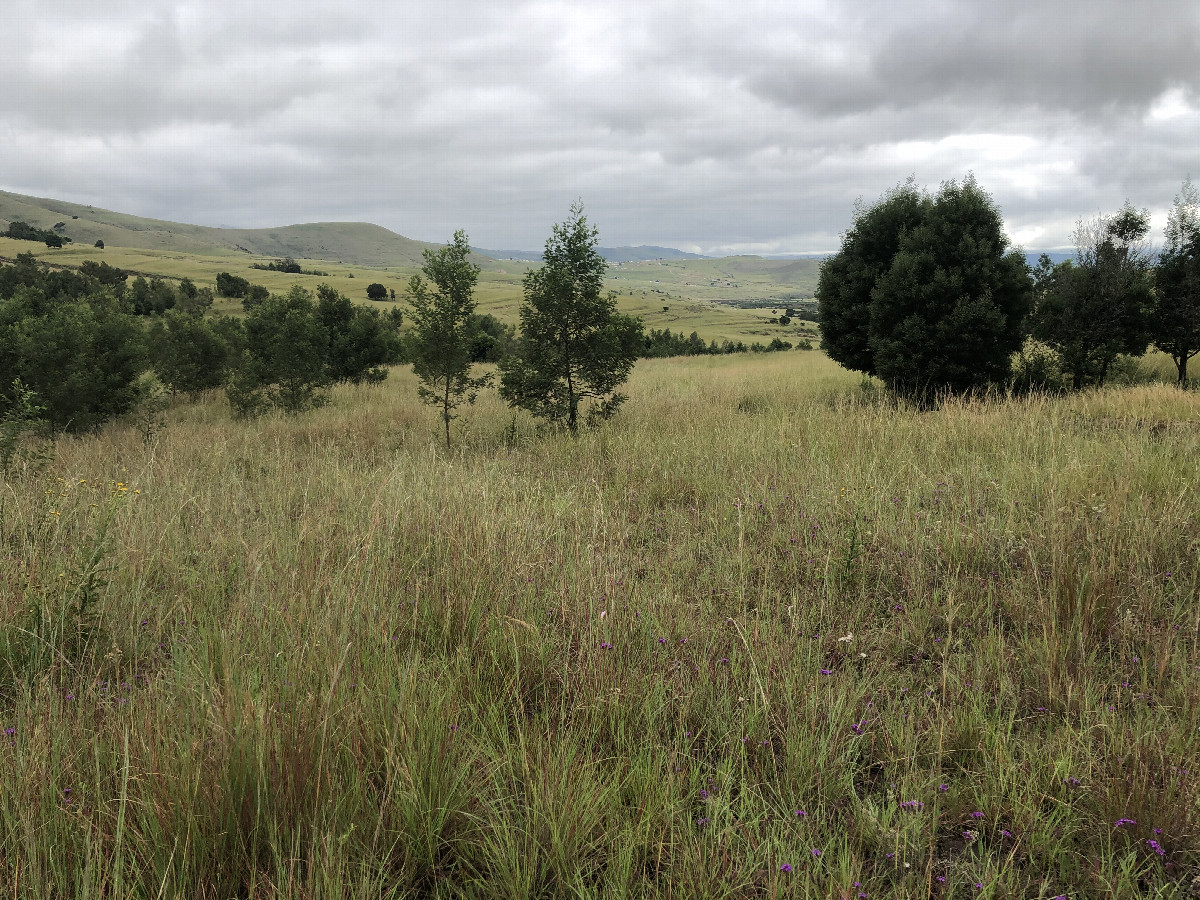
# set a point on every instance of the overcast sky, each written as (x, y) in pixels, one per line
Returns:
(714, 127)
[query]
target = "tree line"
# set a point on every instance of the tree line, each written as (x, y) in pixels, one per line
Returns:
(662, 343)
(23, 231)
(75, 348)
(927, 294)
(75, 344)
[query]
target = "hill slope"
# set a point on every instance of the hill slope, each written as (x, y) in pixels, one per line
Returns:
(357, 243)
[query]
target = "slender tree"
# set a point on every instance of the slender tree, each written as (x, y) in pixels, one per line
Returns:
(575, 346)
(443, 332)
(1098, 306)
(1175, 316)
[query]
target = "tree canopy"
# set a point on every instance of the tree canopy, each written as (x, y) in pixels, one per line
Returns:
(1098, 306)
(926, 292)
(445, 328)
(1175, 313)
(574, 344)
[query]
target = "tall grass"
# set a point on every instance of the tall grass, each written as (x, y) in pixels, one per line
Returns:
(763, 634)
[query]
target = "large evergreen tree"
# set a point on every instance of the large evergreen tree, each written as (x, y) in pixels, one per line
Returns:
(848, 278)
(574, 346)
(192, 353)
(362, 343)
(284, 363)
(926, 292)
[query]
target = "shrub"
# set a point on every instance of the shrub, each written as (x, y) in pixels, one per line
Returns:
(192, 354)
(233, 286)
(284, 361)
(81, 355)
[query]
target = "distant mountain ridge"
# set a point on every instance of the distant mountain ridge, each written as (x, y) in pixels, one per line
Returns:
(356, 243)
(612, 254)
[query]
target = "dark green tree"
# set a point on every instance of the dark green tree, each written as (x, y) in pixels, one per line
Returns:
(574, 345)
(376, 291)
(284, 360)
(493, 339)
(23, 231)
(848, 278)
(361, 342)
(255, 295)
(72, 344)
(950, 311)
(151, 297)
(1097, 307)
(443, 328)
(926, 292)
(104, 274)
(190, 353)
(232, 285)
(1175, 313)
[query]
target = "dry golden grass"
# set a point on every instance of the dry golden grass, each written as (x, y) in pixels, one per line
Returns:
(323, 657)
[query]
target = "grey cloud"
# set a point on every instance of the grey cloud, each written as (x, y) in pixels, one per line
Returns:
(696, 123)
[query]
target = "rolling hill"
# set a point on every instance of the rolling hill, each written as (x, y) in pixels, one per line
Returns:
(720, 298)
(355, 243)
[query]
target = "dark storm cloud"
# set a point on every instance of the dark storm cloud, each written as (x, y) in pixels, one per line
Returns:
(712, 126)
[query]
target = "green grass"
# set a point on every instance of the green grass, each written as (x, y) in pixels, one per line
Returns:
(688, 308)
(321, 657)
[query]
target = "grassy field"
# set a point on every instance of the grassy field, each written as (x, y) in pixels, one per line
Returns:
(665, 298)
(762, 635)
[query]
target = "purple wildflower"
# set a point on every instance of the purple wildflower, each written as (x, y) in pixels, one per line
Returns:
(1121, 822)
(785, 868)
(1156, 847)
(816, 852)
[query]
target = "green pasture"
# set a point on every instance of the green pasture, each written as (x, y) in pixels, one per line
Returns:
(688, 306)
(764, 634)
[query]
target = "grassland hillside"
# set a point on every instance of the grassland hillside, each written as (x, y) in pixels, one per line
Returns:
(353, 243)
(764, 634)
(675, 298)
